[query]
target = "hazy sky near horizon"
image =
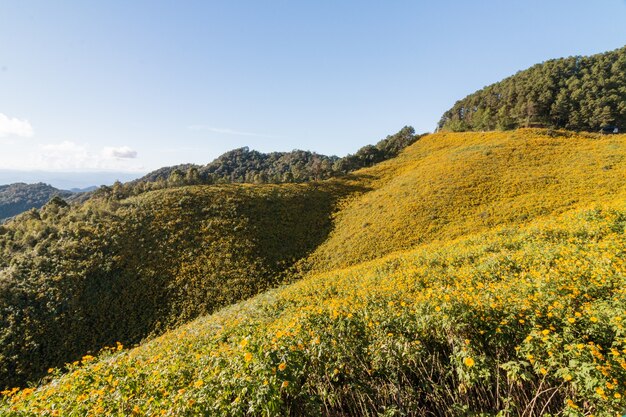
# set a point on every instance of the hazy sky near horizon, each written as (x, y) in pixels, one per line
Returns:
(133, 86)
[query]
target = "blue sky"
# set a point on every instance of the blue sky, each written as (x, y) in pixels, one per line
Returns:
(136, 85)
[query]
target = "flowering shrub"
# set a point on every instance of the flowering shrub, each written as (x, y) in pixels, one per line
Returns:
(522, 321)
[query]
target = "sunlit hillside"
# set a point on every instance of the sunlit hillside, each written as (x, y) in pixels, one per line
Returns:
(474, 273)
(450, 184)
(525, 321)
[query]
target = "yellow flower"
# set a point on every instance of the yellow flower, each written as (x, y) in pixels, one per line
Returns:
(247, 357)
(593, 319)
(567, 377)
(571, 320)
(282, 366)
(198, 383)
(600, 391)
(543, 371)
(617, 395)
(469, 362)
(285, 384)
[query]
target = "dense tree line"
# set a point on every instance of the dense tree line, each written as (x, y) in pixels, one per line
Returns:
(249, 166)
(575, 93)
(19, 197)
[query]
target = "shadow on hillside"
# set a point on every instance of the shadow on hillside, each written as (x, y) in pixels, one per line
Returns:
(130, 269)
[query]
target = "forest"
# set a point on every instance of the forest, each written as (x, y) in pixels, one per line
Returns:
(249, 166)
(580, 93)
(19, 197)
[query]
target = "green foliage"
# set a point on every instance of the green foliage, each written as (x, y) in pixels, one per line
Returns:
(370, 155)
(19, 197)
(249, 166)
(576, 93)
(74, 279)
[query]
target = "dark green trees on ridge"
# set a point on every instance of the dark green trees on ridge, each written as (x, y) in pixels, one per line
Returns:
(575, 93)
(243, 165)
(19, 197)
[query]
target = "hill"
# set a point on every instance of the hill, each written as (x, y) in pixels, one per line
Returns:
(525, 321)
(76, 278)
(249, 166)
(502, 289)
(19, 197)
(451, 184)
(575, 93)
(179, 243)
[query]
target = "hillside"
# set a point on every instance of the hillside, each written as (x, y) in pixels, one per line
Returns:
(19, 197)
(525, 321)
(450, 184)
(178, 243)
(502, 288)
(76, 278)
(575, 93)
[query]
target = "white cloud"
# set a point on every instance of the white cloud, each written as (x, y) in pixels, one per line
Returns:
(71, 156)
(11, 126)
(123, 152)
(226, 131)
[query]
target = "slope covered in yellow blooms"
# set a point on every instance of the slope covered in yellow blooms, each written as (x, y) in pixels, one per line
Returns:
(522, 320)
(474, 274)
(450, 184)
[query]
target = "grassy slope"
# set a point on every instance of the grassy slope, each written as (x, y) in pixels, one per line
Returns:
(480, 323)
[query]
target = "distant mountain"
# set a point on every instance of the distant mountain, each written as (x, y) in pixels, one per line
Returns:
(20, 197)
(84, 190)
(575, 93)
(66, 180)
